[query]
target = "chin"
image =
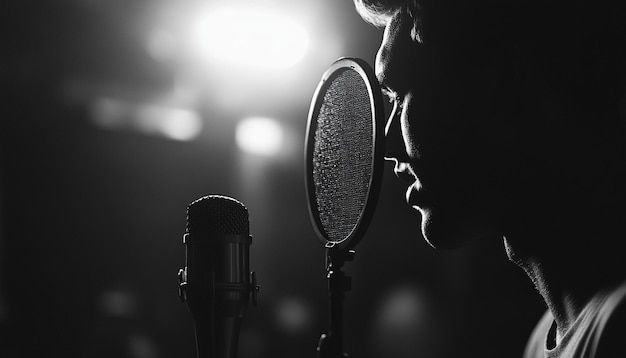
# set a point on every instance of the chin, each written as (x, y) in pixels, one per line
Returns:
(445, 230)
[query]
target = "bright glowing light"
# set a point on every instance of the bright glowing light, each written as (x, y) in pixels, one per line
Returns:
(262, 136)
(252, 36)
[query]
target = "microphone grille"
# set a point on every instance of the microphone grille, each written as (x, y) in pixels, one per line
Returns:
(217, 214)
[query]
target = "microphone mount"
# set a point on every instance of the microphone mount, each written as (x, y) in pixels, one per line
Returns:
(331, 344)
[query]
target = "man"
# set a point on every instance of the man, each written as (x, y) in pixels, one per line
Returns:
(507, 125)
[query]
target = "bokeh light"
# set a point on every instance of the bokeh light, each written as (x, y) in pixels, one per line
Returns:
(258, 135)
(117, 303)
(174, 123)
(401, 308)
(293, 314)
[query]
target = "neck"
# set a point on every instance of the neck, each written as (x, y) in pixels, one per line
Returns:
(570, 247)
(562, 210)
(569, 267)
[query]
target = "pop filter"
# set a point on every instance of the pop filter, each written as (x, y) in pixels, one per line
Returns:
(343, 162)
(344, 152)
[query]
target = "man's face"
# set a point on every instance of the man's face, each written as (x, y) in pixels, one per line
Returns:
(445, 139)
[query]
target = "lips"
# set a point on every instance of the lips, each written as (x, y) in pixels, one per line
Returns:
(404, 172)
(412, 194)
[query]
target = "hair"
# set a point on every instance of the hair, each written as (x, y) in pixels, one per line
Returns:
(581, 45)
(378, 12)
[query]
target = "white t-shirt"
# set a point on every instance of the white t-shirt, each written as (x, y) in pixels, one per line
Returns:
(598, 332)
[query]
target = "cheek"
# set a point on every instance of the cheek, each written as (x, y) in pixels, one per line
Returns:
(455, 147)
(450, 118)
(426, 130)
(408, 127)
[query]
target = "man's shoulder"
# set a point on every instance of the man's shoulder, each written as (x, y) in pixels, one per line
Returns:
(535, 347)
(600, 334)
(611, 325)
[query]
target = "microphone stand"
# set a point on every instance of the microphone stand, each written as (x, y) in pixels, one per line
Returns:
(331, 344)
(218, 325)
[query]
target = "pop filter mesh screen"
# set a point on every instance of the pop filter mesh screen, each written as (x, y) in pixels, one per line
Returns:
(342, 154)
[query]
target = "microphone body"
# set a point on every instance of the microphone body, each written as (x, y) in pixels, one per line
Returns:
(217, 283)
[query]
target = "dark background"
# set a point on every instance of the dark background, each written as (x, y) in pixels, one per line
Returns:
(92, 217)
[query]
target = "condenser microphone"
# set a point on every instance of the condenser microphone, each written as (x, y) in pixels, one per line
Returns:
(217, 283)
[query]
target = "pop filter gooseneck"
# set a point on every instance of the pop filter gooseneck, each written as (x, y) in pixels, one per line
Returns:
(343, 163)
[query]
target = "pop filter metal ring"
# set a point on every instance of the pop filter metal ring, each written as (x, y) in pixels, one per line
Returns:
(377, 122)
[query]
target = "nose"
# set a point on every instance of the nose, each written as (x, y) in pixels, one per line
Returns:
(394, 143)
